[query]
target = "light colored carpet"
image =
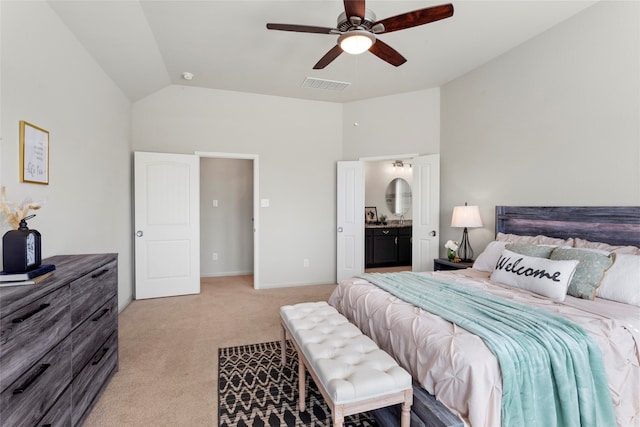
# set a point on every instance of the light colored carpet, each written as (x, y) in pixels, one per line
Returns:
(169, 350)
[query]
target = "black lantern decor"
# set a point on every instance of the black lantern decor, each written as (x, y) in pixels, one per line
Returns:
(21, 250)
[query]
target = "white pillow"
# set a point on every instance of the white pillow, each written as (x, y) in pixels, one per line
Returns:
(586, 244)
(540, 275)
(487, 260)
(621, 282)
(534, 240)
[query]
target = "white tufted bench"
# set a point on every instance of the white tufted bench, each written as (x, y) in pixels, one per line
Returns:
(351, 372)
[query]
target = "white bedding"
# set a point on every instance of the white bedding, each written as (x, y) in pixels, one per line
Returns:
(458, 368)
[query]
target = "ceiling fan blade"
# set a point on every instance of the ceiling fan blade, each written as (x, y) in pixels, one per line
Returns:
(328, 57)
(302, 28)
(387, 53)
(354, 8)
(415, 18)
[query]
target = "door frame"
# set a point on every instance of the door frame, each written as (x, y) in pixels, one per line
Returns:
(256, 203)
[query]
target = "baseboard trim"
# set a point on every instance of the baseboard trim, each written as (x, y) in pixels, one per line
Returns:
(226, 274)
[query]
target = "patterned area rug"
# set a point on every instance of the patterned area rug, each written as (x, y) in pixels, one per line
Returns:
(255, 390)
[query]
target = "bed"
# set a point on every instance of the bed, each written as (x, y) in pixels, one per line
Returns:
(458, 368)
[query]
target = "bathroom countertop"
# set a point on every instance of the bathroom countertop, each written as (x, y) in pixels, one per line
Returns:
(389, 224)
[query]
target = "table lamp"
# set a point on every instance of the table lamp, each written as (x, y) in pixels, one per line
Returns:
(467, 217)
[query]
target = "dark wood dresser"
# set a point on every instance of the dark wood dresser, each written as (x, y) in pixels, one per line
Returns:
(59, 342)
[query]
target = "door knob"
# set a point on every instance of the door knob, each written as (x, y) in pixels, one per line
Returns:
(339, 229)
(139, 233)
(433, 233)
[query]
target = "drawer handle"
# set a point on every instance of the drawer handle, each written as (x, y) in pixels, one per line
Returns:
(99, 316)
(31, 380)
(385, 231)
(99, 273)
(104, 351)
(30, 314)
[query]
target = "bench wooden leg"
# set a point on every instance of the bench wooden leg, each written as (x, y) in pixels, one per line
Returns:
(405, 417)
(301, 384)
(283, 345)
(338, 416)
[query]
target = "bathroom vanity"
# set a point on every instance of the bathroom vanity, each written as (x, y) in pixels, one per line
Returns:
(387, 245)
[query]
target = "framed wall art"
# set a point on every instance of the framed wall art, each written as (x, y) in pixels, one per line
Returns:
(370, 214)
(34, 154)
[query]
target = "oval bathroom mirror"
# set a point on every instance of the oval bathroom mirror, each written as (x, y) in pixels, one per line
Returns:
(398, 196)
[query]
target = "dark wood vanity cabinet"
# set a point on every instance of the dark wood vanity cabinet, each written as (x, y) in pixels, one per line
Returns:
(404, 246)
(387, 246)
(59, 342)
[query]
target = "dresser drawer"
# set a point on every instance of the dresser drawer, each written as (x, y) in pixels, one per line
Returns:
(90, 382)
(26, 401)
(29, 333)
(92, 290)
(60, 413)
(92, 333)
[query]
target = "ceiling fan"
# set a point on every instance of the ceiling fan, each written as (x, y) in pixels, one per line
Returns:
(358, 30)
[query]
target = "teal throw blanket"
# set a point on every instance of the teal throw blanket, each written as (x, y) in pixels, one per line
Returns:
(552, 370)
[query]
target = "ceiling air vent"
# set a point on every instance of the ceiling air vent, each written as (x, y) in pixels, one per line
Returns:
(313, 83)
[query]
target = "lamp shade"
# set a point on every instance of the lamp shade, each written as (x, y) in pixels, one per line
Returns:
(356, 41)
(466, 216)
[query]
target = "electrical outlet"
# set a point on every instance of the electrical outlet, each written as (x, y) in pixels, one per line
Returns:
(215, 203)
(305, 262)
(214, 257)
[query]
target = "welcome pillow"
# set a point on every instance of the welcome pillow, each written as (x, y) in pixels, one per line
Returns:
(540, 275)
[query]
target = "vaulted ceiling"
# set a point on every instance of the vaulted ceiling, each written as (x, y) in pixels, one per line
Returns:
(145, 45)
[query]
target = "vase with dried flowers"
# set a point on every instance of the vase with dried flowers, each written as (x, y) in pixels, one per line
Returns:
(21, 247)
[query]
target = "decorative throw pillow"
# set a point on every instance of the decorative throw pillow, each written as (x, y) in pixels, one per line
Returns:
(540, 251)
(487, 260)
(589, 272)
(621, 282)
(539, 275)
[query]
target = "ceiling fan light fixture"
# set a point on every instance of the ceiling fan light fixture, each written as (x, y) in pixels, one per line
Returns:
(356, 42)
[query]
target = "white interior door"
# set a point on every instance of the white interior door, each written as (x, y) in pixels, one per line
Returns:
(167, 243)
(426, 211)
(350, 221)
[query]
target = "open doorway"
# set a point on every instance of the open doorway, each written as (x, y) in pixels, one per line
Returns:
(388, 227)
(228, 216)
(351, 212)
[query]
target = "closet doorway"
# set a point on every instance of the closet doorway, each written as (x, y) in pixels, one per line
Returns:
(229, 215)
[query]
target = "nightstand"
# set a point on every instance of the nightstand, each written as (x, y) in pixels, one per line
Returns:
(444, 264)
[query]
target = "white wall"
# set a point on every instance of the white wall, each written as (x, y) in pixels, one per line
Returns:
(398, 124)
(49, 80)
(298, 143)
(227, 229)
(377, 176)
(554, 122)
